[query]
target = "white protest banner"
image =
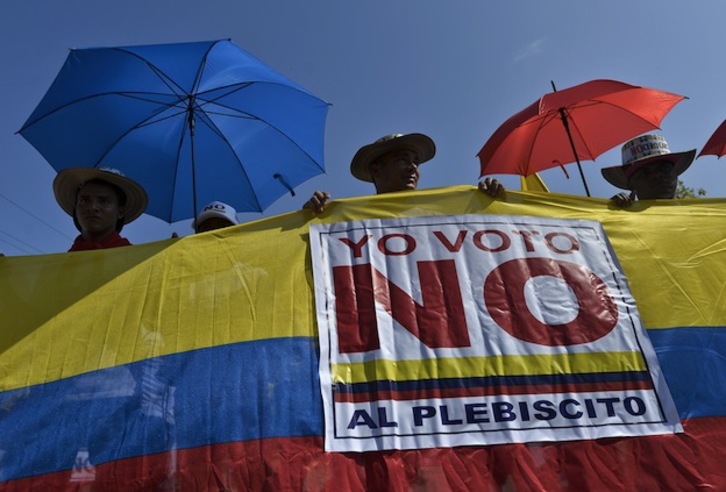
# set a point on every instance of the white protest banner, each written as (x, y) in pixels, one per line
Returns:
(479, 329)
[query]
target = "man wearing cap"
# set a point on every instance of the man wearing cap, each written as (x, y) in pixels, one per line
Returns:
(649, 170)
(101, 201)
(391, 163)
(216, 215)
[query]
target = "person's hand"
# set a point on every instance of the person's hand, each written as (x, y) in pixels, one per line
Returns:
(317, 202)
(491, 187)
(623, 200)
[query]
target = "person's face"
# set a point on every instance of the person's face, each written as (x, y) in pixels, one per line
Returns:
(396, 171)
(97, 210)
(655, 180)
(213, 223)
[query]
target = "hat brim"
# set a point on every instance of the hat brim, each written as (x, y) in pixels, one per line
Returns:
(419, 143)
(618, 177)
(213, 214)
(68, 181)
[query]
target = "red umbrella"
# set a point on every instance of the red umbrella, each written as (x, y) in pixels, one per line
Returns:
(716, 145)
(581, 122)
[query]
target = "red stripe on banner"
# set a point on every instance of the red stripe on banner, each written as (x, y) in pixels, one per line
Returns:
(675, 462)
(525, 389)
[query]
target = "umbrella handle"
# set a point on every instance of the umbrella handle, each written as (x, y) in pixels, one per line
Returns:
(279, 177)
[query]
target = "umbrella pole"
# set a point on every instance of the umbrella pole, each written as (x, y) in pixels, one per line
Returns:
(572, 144)
(190, 113)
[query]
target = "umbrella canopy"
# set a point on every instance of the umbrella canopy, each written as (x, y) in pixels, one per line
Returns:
(191, 122)
(716, 145)
(578, 123)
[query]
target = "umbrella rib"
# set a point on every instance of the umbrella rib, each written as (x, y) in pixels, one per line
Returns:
(210, 124)
(627, 110)
(241, 114)
(165, 79)
(93, 96)
(197, 108)
(607, 103)
(542, 123)
(148, 121)
(79, 100)
(236, 87)
(137, 96)
(200, 69)
(573, 125)
(145, 122)
(204, 116)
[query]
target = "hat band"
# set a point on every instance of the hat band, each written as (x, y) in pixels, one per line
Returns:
(632, 168)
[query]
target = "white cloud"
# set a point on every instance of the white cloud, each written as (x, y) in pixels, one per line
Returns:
(534, 48)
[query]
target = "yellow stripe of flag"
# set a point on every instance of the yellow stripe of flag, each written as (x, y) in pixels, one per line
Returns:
(466, 367)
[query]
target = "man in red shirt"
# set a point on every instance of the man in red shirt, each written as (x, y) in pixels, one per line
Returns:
(101, 202)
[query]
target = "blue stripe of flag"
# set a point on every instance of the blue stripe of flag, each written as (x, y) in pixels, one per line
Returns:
(492, 381)
(228, 393)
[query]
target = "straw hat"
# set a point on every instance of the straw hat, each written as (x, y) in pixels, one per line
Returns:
(67, 183)
(644, 150)
(419, 143)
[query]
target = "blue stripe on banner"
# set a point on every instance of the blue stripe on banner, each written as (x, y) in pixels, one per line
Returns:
(694, 365)
(493, 381)
(238, 392)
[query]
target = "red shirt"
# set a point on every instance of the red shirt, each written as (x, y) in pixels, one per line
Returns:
(113, 240)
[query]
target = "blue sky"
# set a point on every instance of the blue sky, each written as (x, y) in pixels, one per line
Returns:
(454, 70)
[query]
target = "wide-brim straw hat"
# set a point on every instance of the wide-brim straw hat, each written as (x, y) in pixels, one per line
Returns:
(67, 183)
(642, 151)
(417, 142)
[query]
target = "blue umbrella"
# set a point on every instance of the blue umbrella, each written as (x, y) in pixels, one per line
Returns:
(191, 122)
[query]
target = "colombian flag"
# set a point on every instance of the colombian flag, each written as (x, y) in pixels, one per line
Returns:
(192, 364)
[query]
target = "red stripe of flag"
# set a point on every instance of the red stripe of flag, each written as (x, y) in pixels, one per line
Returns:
(690, 461)
(525, 389)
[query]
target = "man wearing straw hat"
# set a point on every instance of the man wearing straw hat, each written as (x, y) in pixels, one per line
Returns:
(392, 163)
(649, 170)
(101, 201)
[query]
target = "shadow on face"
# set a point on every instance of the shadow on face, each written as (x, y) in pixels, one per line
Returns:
(395, 171)
(213, 223)
(655, 180)
(99, 210)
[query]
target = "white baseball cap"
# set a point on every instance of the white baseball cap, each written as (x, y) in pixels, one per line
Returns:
(216, 209)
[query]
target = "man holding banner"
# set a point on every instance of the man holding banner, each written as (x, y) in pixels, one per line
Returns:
(391, 163)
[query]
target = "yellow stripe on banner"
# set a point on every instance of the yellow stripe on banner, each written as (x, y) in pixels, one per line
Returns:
(71, 313)
(466, 367)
